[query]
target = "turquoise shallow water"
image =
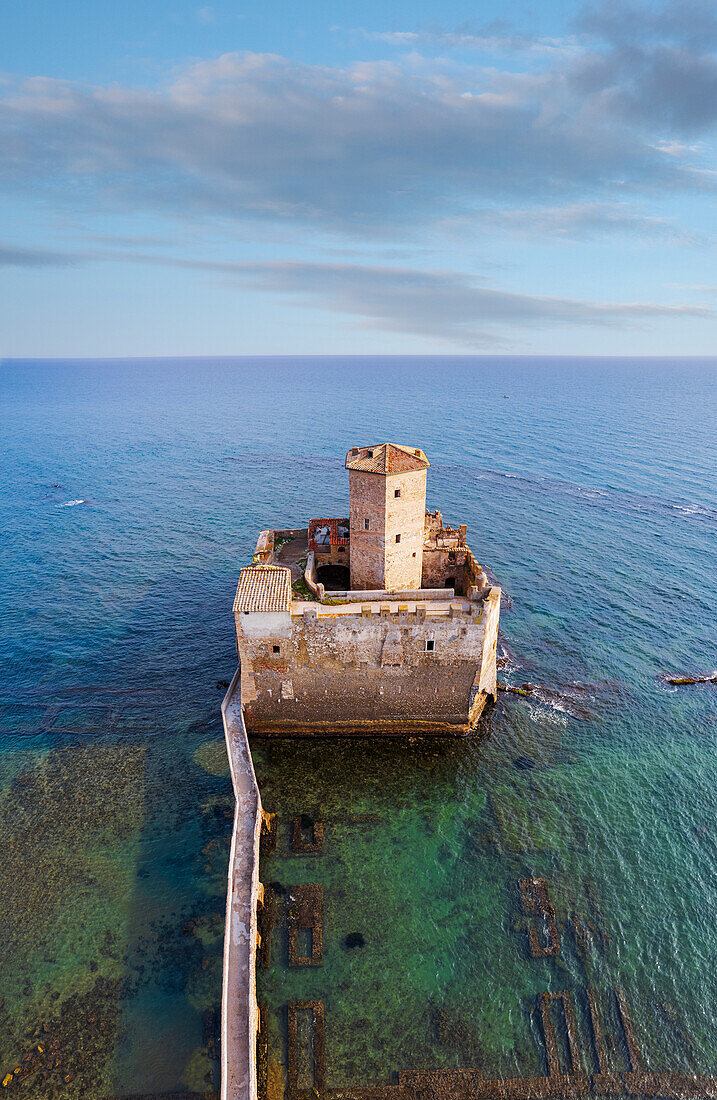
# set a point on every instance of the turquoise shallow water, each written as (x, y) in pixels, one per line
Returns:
(590, 491)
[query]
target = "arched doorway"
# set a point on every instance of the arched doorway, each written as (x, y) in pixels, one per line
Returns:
(335, 578)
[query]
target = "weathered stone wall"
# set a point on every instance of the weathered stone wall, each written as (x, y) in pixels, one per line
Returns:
(440, 566)
(367, 500)
(378, 560)
(365, 672)
(488, 683)
(405, 518)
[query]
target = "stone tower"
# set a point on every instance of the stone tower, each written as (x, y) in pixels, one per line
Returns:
(387, 514)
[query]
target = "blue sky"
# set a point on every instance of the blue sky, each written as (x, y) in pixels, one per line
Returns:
(212, 179)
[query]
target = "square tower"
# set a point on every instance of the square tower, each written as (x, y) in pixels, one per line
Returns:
(387, 515)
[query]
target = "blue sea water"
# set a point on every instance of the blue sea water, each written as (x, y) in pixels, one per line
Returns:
(133, 492)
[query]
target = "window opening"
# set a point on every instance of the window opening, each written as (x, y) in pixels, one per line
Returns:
(397, 492)
(365, 525)
(430, 645)
(276, 648)
(398, 538)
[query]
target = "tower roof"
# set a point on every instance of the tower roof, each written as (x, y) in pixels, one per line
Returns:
(386, 458)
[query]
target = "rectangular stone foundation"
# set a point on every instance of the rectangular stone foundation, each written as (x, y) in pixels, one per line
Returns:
(318, 1050)
(306, 914)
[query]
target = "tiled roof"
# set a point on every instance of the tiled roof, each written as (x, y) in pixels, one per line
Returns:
(386, 458)
(264, 588)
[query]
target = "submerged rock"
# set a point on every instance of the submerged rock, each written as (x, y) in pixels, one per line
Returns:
(514, 690)
(678, 681)
(354, 939)
(523, 763)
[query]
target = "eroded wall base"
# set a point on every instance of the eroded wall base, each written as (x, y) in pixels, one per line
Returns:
(371, 727)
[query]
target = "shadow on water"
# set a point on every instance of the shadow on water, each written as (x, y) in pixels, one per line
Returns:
(116, 822)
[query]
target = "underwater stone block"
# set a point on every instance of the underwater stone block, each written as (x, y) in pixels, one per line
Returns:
(565, 997)
(306, 914)
(318, 1048)
(536, 902)
(311, 846)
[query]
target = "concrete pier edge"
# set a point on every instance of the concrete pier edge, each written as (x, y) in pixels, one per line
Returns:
(240, 1012)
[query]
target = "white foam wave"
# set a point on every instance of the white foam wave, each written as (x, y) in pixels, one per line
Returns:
(548, 713)
(70, 503)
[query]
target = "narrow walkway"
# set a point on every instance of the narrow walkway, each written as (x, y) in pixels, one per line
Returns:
(240, 1015)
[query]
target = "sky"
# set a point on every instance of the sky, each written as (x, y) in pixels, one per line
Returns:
(358, 177)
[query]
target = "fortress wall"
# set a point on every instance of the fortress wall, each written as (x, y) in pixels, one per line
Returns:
(489, 670)
(364, 672)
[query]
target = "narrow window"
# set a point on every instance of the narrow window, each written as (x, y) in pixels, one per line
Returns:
(414, 553)
(342, 549)
(365, 525)
(276, 648)
(397, 492)
(398, 538)
(369, 454)
(430, 645)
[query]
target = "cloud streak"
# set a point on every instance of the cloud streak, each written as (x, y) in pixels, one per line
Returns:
(576, 222)
(484, 40)
(443, 305)
(18, 256)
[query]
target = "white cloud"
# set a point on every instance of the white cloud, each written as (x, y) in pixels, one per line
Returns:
(364, 147)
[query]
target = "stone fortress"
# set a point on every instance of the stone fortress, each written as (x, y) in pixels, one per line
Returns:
(379, 623)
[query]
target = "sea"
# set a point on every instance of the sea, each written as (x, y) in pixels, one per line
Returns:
(132, 494)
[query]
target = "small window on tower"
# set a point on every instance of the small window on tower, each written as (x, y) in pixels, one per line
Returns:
(397, 492)
(369, 454)
(276, 648)
(398, 538)
(365, 524)
(430, 645)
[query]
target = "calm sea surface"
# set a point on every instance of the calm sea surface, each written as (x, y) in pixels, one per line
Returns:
(132, 494)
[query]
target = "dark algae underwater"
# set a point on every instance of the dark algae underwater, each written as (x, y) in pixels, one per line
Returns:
(570, 847)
